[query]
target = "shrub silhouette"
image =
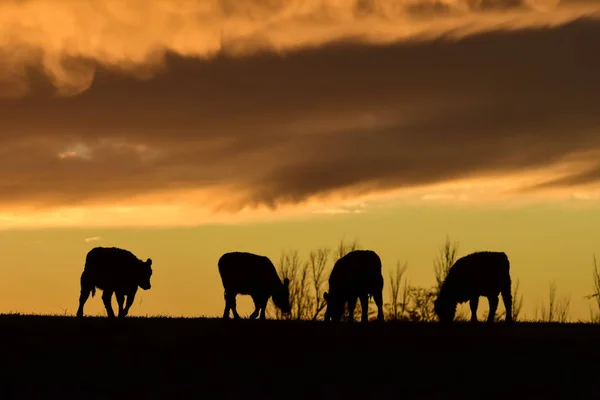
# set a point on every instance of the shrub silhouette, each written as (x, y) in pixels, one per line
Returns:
(477, 274)
(113, 270)
(357, 275)
(254, 275)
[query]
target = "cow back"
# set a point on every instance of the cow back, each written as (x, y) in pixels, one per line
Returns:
(356, 273)
(112, 268)
(478, 274)
(248, 273)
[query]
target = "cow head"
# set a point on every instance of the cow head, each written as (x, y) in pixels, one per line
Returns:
(335, 307)
(281, 297)
(445, 309)
(144, 274)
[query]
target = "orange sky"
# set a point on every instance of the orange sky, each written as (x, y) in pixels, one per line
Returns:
(173, 115)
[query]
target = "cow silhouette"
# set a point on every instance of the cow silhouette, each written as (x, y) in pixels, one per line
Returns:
(357, 275)
(113, 270)
(254, 275)
(485, 273)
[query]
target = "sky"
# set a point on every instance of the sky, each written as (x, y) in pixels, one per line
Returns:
(184, 129)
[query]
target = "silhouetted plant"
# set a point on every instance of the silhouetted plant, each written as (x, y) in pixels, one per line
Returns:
(308, 280)
(517, 304)
(344, 249)
(317, 259)
(421, 304)
(291, 267)
(398, 293)
(415, 303)
(406, 301)
(556, 310)
(444, 261)
(517, 301)
(595, 311)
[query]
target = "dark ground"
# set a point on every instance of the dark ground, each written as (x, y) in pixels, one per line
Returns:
(61, 357)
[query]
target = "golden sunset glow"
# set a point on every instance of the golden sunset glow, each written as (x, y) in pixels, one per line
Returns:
(181, 130)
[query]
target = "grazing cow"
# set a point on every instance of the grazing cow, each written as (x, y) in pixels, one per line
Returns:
(357, 275)
(116, 271)
(254, 275)
(484, 273)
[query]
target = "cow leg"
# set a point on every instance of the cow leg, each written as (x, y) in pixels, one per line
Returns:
(227, 308)
(129, 303)
(378, 298)
(263, 308)
(106, 298)
(474, 304)
(507, 300)
(257, 307)
(493, 307)
(351, 306)
(231, 303)
(326, 316)
(260, 306)
(120, 301)
(83, 296)
(364, 308)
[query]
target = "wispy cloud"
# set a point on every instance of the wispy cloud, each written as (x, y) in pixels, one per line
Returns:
(336, 211)
(445, 196)
(93, 239)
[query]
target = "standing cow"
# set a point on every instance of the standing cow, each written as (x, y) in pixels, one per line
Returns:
(254, 275)
(116, 271)
(484, 273)
(355, 276)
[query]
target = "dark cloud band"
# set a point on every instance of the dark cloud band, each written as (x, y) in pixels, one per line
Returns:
(339, 117)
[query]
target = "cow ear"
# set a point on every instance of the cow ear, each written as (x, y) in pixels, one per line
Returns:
(286, 282)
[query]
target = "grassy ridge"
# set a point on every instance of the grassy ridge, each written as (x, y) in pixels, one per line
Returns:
(184, 357)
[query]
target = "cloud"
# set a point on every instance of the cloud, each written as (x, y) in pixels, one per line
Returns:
(344, 209)
(511, 94)
(580, 178)
(69, 40)
(92, 239)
